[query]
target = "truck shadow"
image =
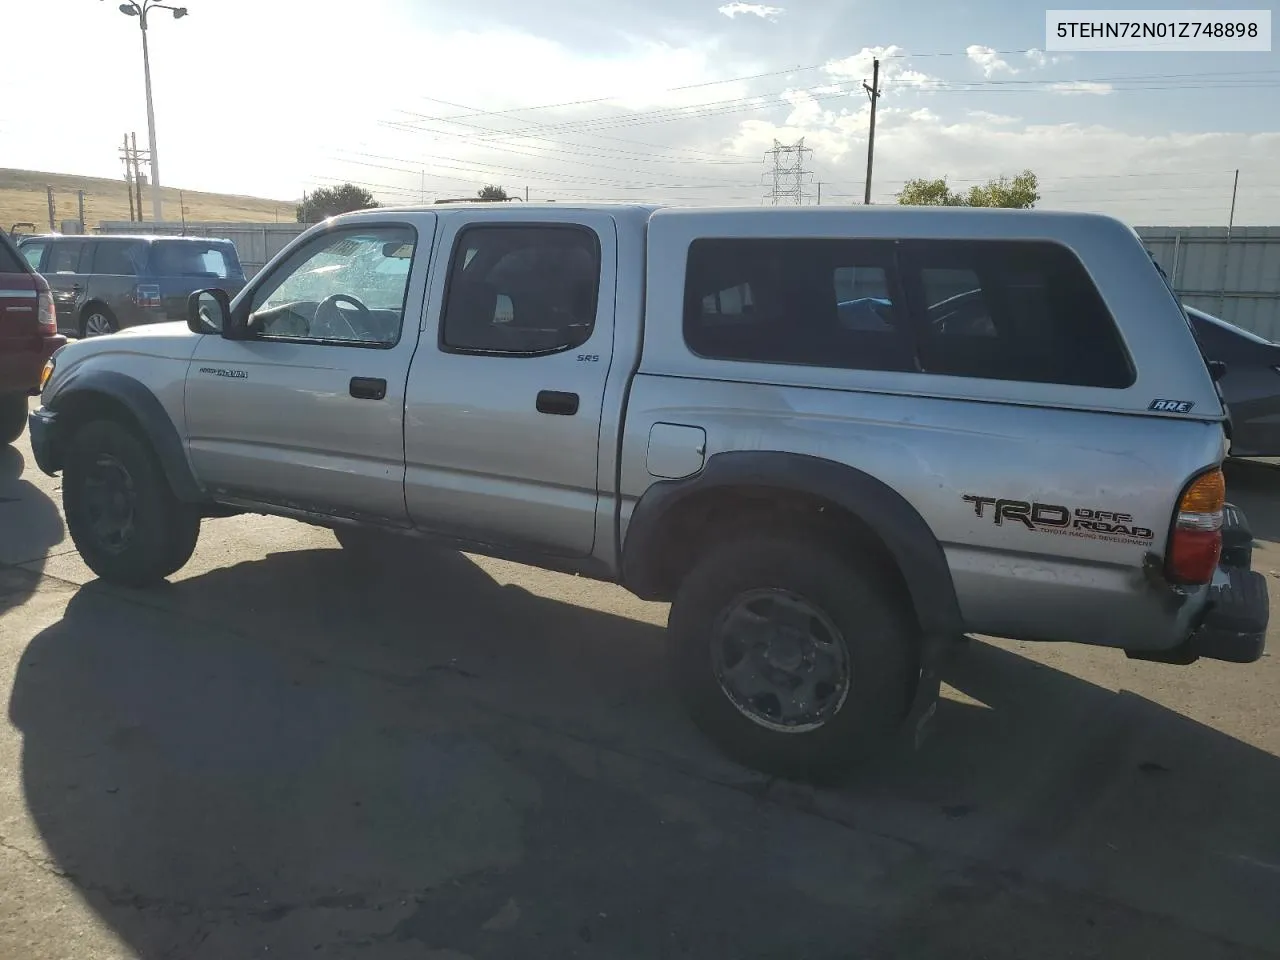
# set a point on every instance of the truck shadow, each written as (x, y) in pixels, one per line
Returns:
(30, 525)
(289, 750)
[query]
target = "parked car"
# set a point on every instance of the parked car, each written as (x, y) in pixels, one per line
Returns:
(668, 399)
(28, 337)
(104, 284)
(1250, 382)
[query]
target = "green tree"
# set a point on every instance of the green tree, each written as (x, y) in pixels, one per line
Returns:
(492, 192)
(1021, 192)
(929, 193)
(330, 201)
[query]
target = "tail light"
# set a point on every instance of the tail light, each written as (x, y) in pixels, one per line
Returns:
(46, 318)
(147, 295)
(1195, 542)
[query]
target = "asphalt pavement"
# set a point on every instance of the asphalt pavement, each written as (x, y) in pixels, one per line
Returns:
(287, 753)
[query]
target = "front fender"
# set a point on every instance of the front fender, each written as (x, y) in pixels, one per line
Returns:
(98, 391)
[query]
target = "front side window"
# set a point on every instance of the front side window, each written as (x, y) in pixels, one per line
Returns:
(32, 252)
(521, 291)
(65, 257)
(832, 303)
(346, 287)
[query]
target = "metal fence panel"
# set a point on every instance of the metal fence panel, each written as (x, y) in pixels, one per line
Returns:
(1235, 278)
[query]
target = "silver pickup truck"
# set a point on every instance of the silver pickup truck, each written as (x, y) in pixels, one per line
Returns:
(837, 440)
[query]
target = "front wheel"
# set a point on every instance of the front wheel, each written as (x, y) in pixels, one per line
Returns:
(13, 416)
(122, 514)
(794, 659)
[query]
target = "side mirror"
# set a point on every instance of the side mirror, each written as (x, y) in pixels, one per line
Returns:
(208, 312)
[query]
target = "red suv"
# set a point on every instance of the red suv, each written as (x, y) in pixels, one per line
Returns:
(28, 337)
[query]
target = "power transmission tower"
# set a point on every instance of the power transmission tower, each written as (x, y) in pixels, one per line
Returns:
(785, 173)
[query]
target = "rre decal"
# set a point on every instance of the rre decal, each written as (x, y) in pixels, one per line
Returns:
(1172, 406)
(1085, 522)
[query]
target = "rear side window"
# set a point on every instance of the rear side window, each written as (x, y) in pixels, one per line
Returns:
(188, 258)
(118, 259)
(1013, 311)
(832, 303)
(521, 291)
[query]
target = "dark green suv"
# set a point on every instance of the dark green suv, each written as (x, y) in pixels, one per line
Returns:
(103, 284)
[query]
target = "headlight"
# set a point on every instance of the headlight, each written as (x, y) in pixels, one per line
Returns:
(46, 373)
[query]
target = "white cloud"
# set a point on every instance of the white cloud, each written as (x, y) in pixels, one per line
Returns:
(989, 60)
(893, 69)
(923, 115)
(996, 119)
(1074, 87)
(1041, 59)
(760, 10)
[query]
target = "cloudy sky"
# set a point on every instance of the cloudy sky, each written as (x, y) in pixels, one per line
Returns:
(666, 100)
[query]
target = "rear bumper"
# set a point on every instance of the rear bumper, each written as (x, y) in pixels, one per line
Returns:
(1233, 626)
(20, 369)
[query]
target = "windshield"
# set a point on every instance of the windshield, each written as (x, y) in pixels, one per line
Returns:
(186, 258)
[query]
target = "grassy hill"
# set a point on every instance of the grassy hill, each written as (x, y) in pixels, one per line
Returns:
(23, 198)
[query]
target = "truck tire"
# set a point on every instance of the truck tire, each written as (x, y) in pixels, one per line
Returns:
(13, 416)
(796, 660)
(122, 514)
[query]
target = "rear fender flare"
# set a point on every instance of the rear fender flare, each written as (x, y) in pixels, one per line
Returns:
(904, 533)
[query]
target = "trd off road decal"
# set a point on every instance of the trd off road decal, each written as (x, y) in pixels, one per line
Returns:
(1085, 522)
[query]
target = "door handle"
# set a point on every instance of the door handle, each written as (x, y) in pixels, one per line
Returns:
(557, 404)
(368, 388)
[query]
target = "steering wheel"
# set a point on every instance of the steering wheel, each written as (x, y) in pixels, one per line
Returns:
(329, 305)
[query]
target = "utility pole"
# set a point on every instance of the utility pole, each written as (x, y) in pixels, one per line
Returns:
(526, 194)
(128, 177)
(873, 92)
(182, 207)
(1226, 247)
(787, 175)
(52, 209)
(137, 178)
(80, 206)
(819, 193)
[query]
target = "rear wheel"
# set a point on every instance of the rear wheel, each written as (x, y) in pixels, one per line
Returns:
(122, 514)
(13, 416)
(794, 659)
(98, 321)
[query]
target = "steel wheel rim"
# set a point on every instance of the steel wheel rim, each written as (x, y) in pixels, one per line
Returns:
(780, 660)
(109, 500)
(97, 325)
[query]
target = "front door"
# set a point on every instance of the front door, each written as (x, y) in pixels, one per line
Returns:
(503, 409)
(308, 413)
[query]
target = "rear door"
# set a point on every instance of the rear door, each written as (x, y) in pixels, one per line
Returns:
(65, 272)
(503, 405)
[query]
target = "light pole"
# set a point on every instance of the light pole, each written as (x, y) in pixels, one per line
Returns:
(140, 9)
